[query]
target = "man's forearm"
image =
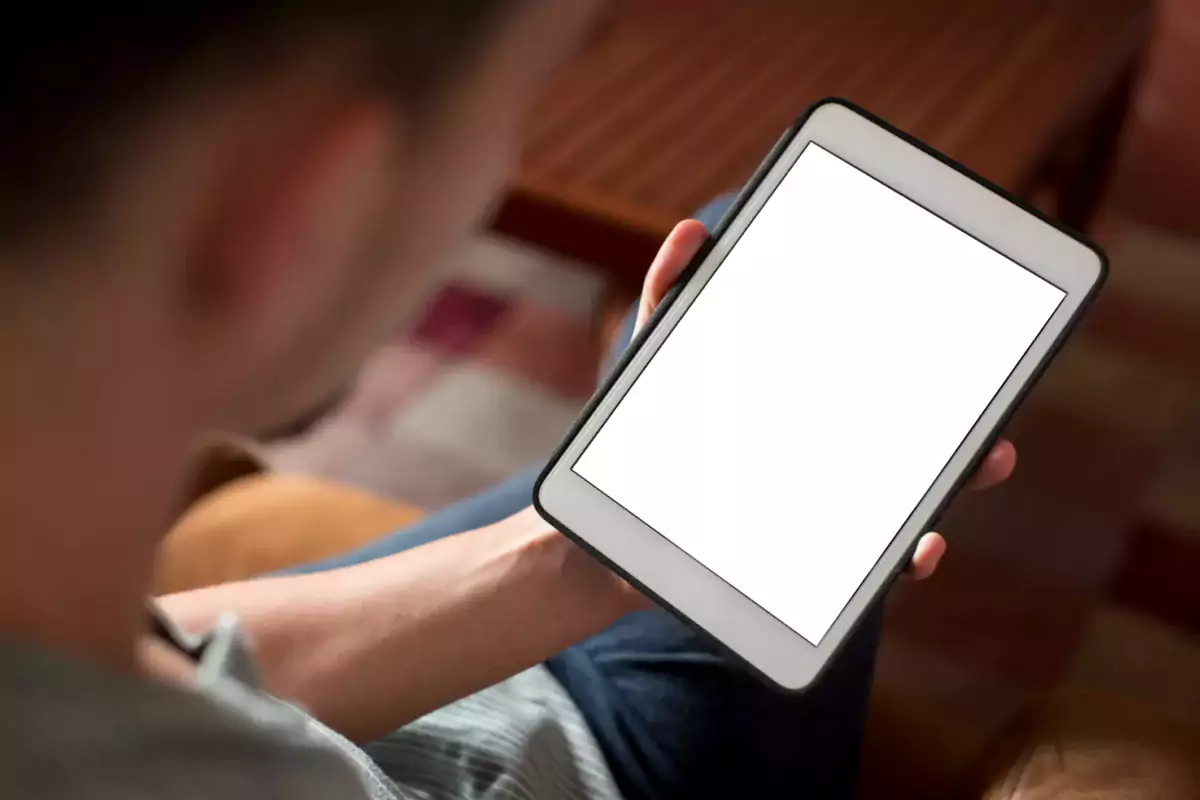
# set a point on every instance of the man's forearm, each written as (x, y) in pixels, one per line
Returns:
(370, 647)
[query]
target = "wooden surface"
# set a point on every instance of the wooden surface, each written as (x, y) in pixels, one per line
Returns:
(665, 113)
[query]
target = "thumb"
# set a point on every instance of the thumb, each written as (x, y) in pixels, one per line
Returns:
(677, 251)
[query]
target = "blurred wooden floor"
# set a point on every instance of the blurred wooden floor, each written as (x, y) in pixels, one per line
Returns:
(664, 113)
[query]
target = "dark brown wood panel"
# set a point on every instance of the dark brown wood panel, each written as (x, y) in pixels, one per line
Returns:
(665, 113)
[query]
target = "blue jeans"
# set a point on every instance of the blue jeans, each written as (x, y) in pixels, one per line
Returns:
(674, 718)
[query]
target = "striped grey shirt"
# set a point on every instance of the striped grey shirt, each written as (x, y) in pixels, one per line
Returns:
(70, 731)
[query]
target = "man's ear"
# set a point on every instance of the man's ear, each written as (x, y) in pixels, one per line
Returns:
(292, 211)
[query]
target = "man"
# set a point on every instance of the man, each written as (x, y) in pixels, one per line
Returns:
(209, 212)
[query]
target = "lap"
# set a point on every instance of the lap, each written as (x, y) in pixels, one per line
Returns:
(489, 506)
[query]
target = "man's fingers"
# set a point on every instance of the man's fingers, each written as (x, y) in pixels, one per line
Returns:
(673, 257)
(925, 559)
(996, 466)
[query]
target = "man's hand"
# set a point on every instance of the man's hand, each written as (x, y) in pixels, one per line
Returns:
(673, 258)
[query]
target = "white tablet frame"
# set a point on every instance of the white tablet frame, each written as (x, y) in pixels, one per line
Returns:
(687, 587)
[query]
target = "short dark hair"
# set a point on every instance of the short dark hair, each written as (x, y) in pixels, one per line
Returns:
(73, 79)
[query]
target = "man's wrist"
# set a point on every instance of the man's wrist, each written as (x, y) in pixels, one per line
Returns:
(575, 580)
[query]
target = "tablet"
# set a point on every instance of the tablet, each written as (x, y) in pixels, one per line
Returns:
(834, 364)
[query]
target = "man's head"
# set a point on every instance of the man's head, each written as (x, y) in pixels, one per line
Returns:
(210, 211)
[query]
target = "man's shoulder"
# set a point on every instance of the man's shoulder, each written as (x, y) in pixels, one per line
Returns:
(69, 730)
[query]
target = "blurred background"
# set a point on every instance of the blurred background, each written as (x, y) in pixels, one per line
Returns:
(1083, 570)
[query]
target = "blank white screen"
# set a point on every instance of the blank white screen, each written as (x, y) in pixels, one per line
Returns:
(815, 389)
